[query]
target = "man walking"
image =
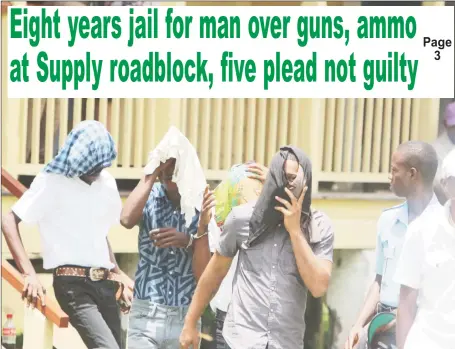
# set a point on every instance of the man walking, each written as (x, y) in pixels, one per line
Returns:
(426, 270)
(75, 202)
(172, 253)
(243, 184)
(284, 249)
(414, 166)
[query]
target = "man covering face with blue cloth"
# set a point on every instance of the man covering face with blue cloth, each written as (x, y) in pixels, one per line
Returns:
(285, 248)
(75, 202)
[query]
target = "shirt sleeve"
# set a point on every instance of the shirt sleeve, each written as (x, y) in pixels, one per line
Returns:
(227, 243)
(410, 263)
(214, 233)
(379, 250)
(117, 209)
(324, 248)
(36, 201)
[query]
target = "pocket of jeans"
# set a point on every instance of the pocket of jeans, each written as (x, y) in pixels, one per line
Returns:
(139, 314)
(66, 290)
(253, 258)
(138, 322)
(106, 289)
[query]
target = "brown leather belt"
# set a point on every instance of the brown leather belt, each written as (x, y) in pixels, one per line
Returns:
(94, 274)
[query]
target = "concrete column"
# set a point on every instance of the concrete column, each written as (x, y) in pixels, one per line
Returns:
(38, 331)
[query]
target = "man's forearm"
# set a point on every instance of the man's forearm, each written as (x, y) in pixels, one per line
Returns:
(404, 324)
(312, 270)
(201, 253)
(116, 268)
(370, 303)
(407, 310)
(13, 240)
(135, 203)
(207, 286)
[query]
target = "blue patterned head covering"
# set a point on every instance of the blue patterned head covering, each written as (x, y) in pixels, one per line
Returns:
(88, 147)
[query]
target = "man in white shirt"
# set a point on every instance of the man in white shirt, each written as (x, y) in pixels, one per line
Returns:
(414, 166)
(426, 272)
(75, 202)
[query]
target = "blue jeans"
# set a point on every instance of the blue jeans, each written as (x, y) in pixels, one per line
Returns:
(155, 326)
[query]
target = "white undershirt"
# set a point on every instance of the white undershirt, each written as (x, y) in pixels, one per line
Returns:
(73, 217)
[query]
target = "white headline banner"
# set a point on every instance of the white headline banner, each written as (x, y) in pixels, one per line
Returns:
(232, 52)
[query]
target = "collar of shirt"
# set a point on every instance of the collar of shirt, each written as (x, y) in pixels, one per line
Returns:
(402, 214)
(160, 193)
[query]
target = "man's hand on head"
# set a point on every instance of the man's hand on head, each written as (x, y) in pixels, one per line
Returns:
(258, 171)
(164, 165)
(208, 204)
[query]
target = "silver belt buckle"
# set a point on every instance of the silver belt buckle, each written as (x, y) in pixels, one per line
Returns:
(96, 274)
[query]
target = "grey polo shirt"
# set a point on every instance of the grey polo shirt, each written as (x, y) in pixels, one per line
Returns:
(269, 296)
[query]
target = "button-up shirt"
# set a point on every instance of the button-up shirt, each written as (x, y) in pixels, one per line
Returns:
(164, 275)
(392, 228)
(427, 264)
(269, 296)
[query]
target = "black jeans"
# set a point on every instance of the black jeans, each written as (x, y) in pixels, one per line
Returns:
(220, 342)
(92, 310)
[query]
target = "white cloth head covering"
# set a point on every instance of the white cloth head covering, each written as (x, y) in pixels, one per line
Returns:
(188, 174)
(448, 165)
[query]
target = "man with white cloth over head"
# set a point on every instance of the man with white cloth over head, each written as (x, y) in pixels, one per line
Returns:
(173, 216)
(426, 272)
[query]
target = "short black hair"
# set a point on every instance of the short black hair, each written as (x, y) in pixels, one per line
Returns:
(422, 157)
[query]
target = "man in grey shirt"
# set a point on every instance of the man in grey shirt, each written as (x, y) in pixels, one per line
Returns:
(279, 259)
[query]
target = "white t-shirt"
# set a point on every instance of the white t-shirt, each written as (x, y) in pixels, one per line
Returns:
(73, 217)
(427, 264)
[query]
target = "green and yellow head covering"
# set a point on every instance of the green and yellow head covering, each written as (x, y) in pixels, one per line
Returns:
(237, 189)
